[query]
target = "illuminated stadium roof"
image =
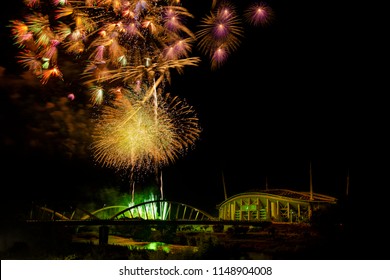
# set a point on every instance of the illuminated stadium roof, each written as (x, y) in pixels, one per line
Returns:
(297, 195)
(279, 205)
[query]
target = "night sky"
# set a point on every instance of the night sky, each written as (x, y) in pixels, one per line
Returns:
(296, 91)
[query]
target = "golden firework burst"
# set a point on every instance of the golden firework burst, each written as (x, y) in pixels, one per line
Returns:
(135, 135)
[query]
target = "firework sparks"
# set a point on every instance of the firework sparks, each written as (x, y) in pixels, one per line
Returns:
(54, 72)
(220, 34)
(121, 34)
(258, 14)
(126, 51)
(130, 135)
(118, 33)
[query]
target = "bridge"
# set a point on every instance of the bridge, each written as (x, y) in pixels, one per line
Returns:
(149, 214)
(155, 210)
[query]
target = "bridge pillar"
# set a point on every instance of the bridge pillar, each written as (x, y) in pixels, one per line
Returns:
(103, 235)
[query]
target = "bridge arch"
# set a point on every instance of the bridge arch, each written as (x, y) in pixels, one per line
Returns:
(44, 213)
(163, 210)
(104, 213)
(149, 210)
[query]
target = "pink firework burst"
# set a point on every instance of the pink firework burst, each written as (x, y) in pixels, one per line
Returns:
(31, 3)
(171, 19)
(52, 50)
(226, 22)
(177, 50)
(219, 57)
(221, 28)
(60, 2)
(258, 14)
(132, 28)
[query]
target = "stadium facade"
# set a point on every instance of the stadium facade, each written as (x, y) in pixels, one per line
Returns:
(276, 205)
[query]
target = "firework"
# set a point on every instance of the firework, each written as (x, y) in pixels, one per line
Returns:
(126, 51)
(110, 37)
(220, 34)
(138, 135)
(258, 14)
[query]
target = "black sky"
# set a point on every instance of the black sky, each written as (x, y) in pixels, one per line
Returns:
(295, 92)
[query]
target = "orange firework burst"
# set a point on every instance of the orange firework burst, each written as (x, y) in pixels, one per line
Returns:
(134, 135)
(46, 74)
